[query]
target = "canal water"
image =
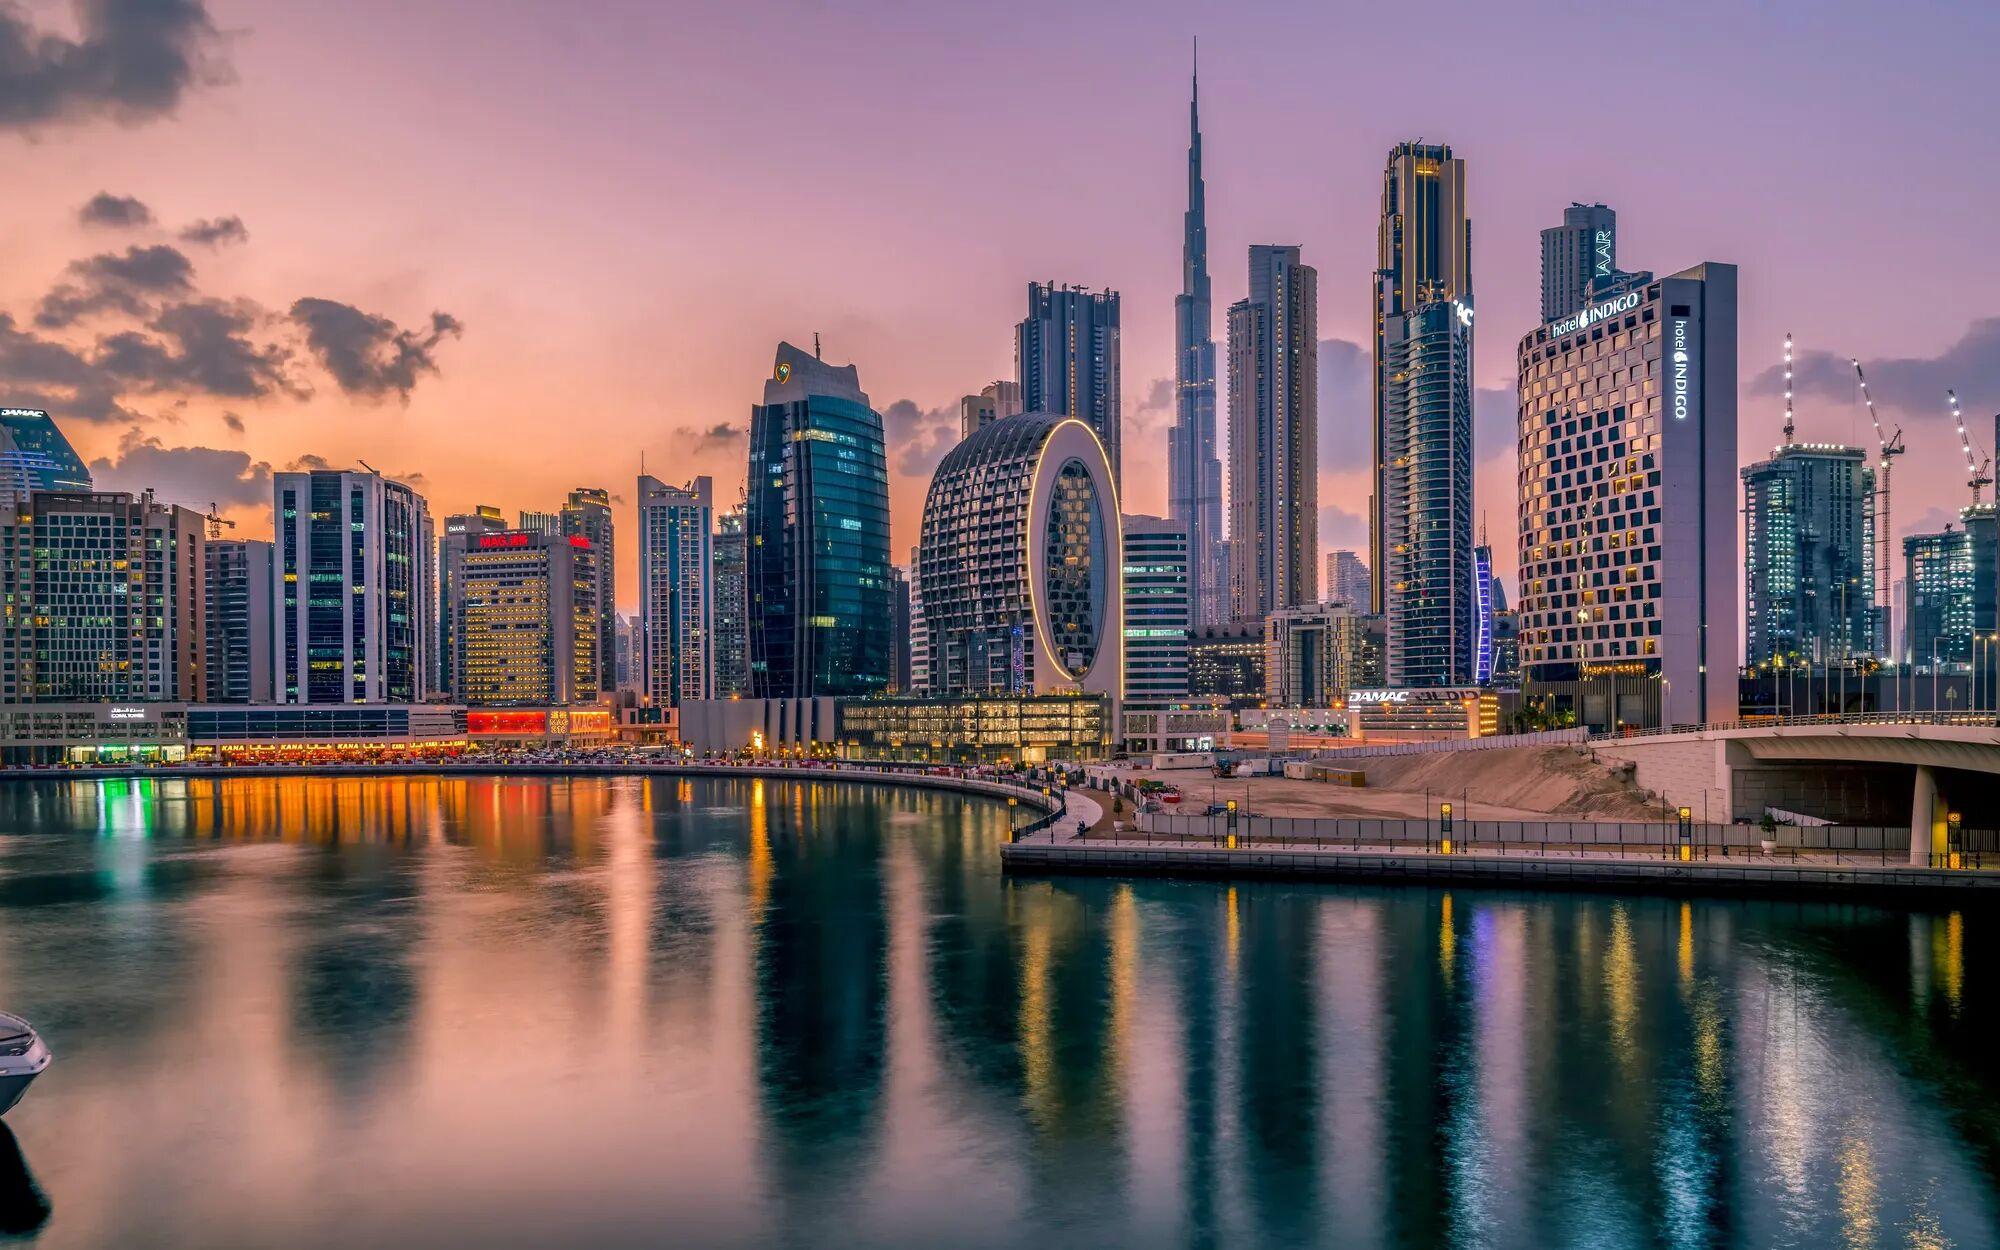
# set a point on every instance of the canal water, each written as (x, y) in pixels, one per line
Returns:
(524, 1012)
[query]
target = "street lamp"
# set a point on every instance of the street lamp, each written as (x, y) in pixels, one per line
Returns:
(1444, 828)
(1012, 803)
(1687, 833)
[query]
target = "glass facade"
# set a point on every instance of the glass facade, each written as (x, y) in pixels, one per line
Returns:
(1428, 593)
(817, 521)
(1809, 558)
(1027, 729)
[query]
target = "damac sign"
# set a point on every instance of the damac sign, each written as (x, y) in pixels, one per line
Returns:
(1679, 377)
(1591, 316)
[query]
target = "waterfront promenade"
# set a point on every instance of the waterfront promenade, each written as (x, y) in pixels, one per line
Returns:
(1658, 867)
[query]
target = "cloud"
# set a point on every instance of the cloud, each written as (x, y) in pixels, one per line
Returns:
(367, 354)
(115, 212)
(233, 421)
(310, 463)
(133, 61)
(1913, 385)
(721, 434)
(215, 231)
(918, 437)
(192, 476)
(203, 347)
(127, 282)
(43, 373)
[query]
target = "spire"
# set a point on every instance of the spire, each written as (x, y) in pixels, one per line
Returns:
(1194, 248)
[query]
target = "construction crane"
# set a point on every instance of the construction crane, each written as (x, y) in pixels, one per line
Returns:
(216, 521)
(1892, 446)
(1788, 388)
(1979, 473)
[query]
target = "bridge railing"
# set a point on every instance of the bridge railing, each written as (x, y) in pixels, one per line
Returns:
(1975, 719)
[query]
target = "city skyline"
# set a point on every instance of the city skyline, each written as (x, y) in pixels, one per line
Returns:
(647, 322)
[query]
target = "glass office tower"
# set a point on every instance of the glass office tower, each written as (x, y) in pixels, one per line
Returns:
(818, 525)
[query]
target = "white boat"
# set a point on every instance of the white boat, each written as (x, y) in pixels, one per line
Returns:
(22, 1058)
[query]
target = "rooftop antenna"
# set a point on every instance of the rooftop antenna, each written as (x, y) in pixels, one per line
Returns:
(1977, 474)
(1788, 388)
(816, 345)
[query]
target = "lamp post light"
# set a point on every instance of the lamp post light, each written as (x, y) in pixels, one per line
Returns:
(1686, 816)
(1444, 828)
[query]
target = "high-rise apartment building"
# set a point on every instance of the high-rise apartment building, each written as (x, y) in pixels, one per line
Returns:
(1485, 594)
(676, 591)
(1158, 615)
(1940, 576)
(1627, 455)
(587, 514)
(1194, 473)
(920, 638)
(1314, 655)
(101, 599)
(1347, 579)
(976, 412)
(1580, 261)
(1429, 599)
(355, 590)
(1274, 436)
(540, 522)
(1423, 256)
(732, 606)
(1809, 557)
(460, 530)
(1066, 359)
(899, 629)
(818, 524)
(527, 619)
(238, 587)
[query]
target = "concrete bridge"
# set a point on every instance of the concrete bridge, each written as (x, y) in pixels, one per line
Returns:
(1847, 769)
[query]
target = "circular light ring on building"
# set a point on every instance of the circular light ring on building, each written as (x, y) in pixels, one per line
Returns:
(1075, 559)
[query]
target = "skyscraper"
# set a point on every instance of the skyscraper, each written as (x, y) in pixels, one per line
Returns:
(899, 629)
(1423, 256)
(1580, 261)
(460, 530)
(732, 605)
(527, 619)
(1809, 558)
(1158, 606)
(976, 412)
(1194, 474)
(237, 588)
(34, 456)
(1484, 597)
(1429, 599)
(1274, 436)
(676, 591)
(1346, 579)
(818, 523)
(587, 514)
(102, 595)
(1066, 359)
(1020, 564)
(1627, 452)
(1939, 599)
(355, 589)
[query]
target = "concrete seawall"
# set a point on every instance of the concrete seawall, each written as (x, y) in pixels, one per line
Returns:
(1590, 872)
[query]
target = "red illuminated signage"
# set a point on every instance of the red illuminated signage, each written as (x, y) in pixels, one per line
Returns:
(504, 540)
(578, 540)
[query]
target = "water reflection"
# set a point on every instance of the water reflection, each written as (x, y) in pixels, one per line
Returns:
(23, 1206)
(353, 1011)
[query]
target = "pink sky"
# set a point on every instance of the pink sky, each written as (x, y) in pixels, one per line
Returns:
(627, 206)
